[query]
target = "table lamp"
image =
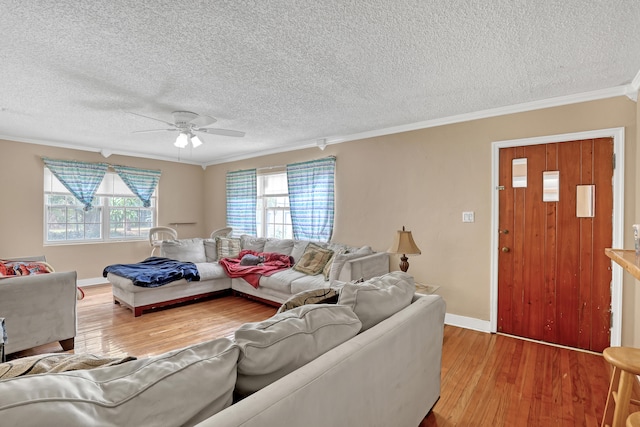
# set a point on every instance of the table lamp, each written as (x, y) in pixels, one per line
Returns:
(404, 244)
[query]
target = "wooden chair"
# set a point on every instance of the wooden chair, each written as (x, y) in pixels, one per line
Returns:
(634, 420)
(626, 364)
(158, 234)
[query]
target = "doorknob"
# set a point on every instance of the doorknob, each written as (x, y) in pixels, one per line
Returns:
(505, 231)
(505, 249)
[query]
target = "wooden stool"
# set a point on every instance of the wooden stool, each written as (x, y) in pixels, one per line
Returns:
(634, 420)
(626, 364)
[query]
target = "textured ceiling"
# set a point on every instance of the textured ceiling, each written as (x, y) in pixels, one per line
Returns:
(291, 72)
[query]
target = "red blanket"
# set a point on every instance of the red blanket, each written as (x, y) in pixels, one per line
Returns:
(251, 273)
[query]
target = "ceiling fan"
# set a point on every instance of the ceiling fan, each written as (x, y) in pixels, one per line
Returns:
(187, 124)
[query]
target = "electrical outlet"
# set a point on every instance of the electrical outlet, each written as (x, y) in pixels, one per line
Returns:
(468, 217)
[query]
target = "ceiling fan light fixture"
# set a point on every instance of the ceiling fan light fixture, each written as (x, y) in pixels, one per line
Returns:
(182, 140)
(195, 141)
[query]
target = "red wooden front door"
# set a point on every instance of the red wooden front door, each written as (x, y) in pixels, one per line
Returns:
(553, 276)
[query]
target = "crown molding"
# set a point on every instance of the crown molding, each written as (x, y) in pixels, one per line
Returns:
(477, 115)
(105, 152)
(629, 90)
(494, 112)
(634, 86)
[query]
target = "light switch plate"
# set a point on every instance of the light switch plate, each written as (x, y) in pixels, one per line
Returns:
(468, 217)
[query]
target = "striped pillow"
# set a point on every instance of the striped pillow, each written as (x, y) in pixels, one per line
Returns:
(227, 247)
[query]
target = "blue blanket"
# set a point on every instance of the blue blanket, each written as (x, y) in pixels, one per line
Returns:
(155, 271)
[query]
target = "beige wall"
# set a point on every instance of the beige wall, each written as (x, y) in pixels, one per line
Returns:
(425, 179)
(422, 179)
(181, 191)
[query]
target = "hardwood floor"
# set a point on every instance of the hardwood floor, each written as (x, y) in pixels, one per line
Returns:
(497, 380)
(109, 329)
(487, 380)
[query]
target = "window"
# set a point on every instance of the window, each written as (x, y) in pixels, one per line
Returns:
(117, 214)
(273, 218)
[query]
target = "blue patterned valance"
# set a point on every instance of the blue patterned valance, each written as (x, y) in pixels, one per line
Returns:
(80, 178)
(142, 182)
(241, 201)
(311, 198)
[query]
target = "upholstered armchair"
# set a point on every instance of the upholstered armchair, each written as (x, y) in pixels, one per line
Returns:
(39, 309)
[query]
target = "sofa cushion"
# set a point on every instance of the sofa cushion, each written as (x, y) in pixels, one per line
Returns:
(252, 243)
(306, 283)
(378, 298)
(228, 247)
(210, 250)
(281, 344)
(281, 280)
(313, 260)
(182, 387)
(210, 270)
(312, 296)
(185, 250)
(279, 246)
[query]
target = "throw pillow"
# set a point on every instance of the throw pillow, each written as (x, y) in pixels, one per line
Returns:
(312, 296)
(281, 344)
(327, 267)
(376, 299)
(185, 250)
(298, 249)
(228, 247)
(313, 260)
(53, 362)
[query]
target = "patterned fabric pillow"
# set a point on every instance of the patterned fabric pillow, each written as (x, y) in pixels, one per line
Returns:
(23, 268)
(313, 260)
(312, 296)
(227, 247)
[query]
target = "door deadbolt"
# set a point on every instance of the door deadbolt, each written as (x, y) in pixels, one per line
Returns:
(505, 231)
(505, 249)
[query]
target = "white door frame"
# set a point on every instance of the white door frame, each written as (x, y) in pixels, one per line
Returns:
(618, 216)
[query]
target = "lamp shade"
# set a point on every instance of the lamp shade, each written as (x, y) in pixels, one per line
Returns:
(404, 244)
(182, 140)
(195, 141)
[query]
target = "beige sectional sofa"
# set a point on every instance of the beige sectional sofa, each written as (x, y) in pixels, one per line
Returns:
(345, 364)
(350, 263)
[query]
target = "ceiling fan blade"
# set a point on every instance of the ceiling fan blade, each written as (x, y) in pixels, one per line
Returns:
(151, 118)
(224, 132)
(155, 130)
(202, 121)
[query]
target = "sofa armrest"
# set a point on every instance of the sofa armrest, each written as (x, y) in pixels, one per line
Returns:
(367, 266)
(38, 309)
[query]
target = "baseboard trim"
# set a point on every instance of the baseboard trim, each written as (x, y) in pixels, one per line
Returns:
(467, 322)
(92, 281)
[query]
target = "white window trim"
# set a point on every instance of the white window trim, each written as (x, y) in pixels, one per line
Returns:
(261, 196)
(106, 209)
